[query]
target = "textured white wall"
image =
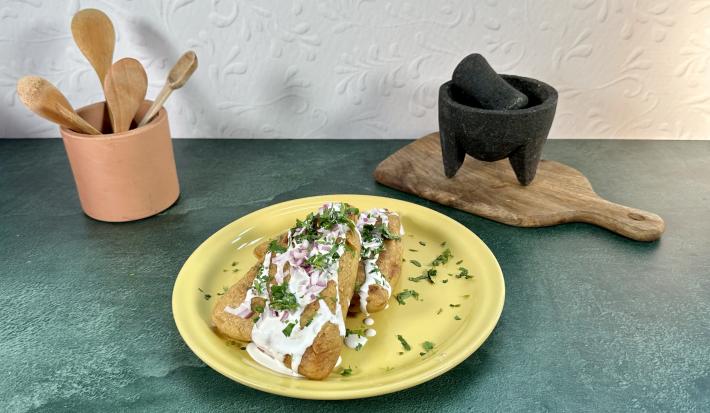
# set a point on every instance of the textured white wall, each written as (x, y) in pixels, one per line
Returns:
(371, 69)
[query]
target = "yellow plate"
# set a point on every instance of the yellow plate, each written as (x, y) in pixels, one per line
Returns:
(382, 366)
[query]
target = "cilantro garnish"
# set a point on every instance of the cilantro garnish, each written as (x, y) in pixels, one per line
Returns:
(422, 243)
(443, 258)
(289, 328)
(402, 296)
(427, 275)
(459, 262)
(404, 343)
(384, 229)
(204, 294)
(282, 298)
(428, 346)
(443, 244)
(454, 305)
(439, 312)
(415, 263)
(456, 317)
(463, 273)
(358, 347)
(413, 250)
(360, 332)
(274, 246)
(346, 372)
(444, 281)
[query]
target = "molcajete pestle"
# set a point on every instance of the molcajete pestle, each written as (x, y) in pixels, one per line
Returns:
(494, 134)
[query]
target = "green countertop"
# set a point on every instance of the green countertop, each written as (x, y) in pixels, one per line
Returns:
(592, 321)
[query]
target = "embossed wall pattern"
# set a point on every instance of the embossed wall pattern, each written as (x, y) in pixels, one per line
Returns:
(371, 69)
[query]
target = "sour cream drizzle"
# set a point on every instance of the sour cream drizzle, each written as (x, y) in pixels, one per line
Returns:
(370, 252)
(278, 332)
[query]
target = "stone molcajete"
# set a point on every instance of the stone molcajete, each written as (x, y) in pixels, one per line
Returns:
(492, 117)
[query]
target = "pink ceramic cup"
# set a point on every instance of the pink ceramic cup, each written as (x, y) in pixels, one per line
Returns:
(123, 176)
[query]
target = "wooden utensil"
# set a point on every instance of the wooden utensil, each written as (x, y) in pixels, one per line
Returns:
(559, 194)
(42, 98)
(94, 34)
(177, 77)
(124, 88)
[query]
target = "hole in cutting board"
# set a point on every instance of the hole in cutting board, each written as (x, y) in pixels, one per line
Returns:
(636, 217)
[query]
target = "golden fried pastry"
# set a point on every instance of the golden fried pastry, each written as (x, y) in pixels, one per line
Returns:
(381, 260)
(291, 305)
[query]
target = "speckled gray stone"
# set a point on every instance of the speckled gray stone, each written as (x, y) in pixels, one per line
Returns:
(592, 321)
(481, 86)
(491, 135)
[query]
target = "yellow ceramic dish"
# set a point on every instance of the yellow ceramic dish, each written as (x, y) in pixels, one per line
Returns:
(382, 366)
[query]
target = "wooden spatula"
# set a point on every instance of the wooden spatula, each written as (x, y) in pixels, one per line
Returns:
(177, 77)
(94, 34)
(42, 98)
(558, 195)
(124, 88)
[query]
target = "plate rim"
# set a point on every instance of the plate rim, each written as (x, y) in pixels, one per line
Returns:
(294, 392)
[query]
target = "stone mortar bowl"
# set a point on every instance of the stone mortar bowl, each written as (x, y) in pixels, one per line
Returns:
(491, 135)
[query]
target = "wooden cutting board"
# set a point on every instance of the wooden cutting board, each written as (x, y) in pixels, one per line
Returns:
(559, 193)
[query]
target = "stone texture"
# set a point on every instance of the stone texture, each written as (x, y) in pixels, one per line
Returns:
(592, 321)
(491, 135)
(481, 86)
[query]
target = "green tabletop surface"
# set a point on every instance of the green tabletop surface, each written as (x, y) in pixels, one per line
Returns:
(592, 321)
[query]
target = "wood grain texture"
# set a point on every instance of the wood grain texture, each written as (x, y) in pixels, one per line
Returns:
(95, 36)
(44, 99)
(124, 88)
(559, 193)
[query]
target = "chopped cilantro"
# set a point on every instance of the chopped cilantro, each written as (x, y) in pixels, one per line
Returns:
(427, 275)
(242, 348)
(466, 296)
(427, 346)
(422, 243)
(404, 343)
(459, 262)
(402, 296)
(444, 281)
(454, 305)
(282, 298)
(258, 309)
(439, 312)
(415, 263)
(235, 270)
(346, 372)
(274, 246)
(234, 263)
(456, 317)
(384, 229)
(412, 250)
(443, 258)
(358, 347)
(443, 244)
(289, 328)
(463, 273)
(204, 294)
(359, 332)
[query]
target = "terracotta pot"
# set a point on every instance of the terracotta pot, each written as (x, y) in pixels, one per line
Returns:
(123, 176)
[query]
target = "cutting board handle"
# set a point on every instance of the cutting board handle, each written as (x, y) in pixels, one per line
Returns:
(630, 222)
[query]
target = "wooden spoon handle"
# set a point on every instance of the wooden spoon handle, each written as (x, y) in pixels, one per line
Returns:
(76, 122)
(157, 104)
(633, 223)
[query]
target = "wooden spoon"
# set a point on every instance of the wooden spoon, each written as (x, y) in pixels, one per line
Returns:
(177, 77)
(124, 87)
(93, 33)
(42, 98)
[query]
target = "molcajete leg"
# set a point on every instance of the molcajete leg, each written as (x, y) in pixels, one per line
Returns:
(451, 151)
(525, 160)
